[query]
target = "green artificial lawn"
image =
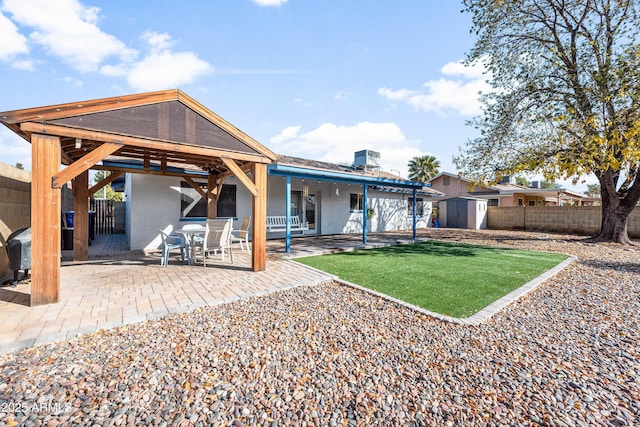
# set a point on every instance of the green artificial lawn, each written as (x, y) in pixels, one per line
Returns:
(448, 278)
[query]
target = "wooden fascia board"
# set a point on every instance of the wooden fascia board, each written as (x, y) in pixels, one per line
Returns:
(225, 125)
(239, 173)
(72, 109)
(84, 163)
(150, 144)
(106, 181)
(195, 186)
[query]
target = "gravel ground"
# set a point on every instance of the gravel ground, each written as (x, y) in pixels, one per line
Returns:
(329, 355)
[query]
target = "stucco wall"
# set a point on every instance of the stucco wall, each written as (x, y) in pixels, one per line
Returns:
(15, 207)
(456, 187)
(565, 219)
(153, 202)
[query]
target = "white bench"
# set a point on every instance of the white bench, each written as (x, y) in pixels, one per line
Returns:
(279, 223)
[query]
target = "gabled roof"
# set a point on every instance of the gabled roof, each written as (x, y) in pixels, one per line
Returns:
(189, 133)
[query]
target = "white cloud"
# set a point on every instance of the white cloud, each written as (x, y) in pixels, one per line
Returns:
(12, 43)
(69, 30)
(336, 144)
(14, 149)
(24, 65)
(287, 134)
(443, 95)
(269, 2)
(162, 68)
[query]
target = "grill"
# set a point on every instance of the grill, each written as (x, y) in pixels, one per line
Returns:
(19, 252)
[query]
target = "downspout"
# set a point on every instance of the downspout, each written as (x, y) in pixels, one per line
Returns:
(365, 187)
(287, 200)
(415, 205)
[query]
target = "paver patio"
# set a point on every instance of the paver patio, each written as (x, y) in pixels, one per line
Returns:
(118, 287)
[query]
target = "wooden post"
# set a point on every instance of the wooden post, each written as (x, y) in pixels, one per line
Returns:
(259, 223)
(45, 220)
(212, 202)
(81, 217)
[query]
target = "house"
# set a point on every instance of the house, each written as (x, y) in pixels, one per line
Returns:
(326, 198)
(506, 193)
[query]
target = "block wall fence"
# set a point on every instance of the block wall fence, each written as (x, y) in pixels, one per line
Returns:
(15, 207)
(584, 220)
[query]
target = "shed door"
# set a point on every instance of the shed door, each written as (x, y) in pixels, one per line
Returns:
(457, 214)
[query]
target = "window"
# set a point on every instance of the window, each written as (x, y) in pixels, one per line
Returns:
(227, 202)
(520, 202)
(492, 202)
(356, 203)
(193, 205)
(446, 180)
(419, 206)
(532, 202)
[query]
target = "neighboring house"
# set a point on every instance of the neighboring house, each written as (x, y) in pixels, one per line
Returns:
(328, 197)
(507, 193)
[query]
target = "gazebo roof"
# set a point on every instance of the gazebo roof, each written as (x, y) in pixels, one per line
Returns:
(167, 126)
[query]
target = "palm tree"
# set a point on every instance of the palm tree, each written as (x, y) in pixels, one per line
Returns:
(423, 168)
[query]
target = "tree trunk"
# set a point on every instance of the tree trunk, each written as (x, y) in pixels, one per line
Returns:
(615, 212)
(613, 227)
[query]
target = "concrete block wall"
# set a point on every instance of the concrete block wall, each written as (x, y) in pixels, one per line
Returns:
(583, 220)
(505, 217)
(15, 207)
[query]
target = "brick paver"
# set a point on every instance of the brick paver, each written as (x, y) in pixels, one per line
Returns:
(118, 287)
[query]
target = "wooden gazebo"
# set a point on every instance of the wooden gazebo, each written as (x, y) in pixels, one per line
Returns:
(167, 128)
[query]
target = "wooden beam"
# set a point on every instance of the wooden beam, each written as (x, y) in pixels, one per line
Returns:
(239, 173)
(195, 186)
(84, 164)
(81, 217)
(259, 223)
(91, 106)
(150, 144)
(106, 181)
(45, 220)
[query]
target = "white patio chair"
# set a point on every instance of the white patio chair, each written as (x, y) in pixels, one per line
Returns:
(218, 239)
(170, 242)
(242, 235)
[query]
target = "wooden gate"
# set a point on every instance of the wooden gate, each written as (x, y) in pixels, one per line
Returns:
(103, 216)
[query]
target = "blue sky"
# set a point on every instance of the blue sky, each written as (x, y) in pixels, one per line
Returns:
(315, 78)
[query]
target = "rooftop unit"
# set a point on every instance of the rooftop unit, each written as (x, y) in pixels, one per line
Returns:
(366, 160)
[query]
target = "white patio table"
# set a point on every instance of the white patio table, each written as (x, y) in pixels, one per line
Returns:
(189, 233)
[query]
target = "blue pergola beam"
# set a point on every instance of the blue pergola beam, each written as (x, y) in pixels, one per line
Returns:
(342, 177)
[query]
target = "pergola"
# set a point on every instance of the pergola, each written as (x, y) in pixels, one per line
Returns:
(167, 128)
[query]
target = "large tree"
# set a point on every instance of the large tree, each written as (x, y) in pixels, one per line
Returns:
(566, 97)
(423, 168)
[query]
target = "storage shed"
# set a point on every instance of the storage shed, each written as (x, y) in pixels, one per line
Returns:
(463, 212)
